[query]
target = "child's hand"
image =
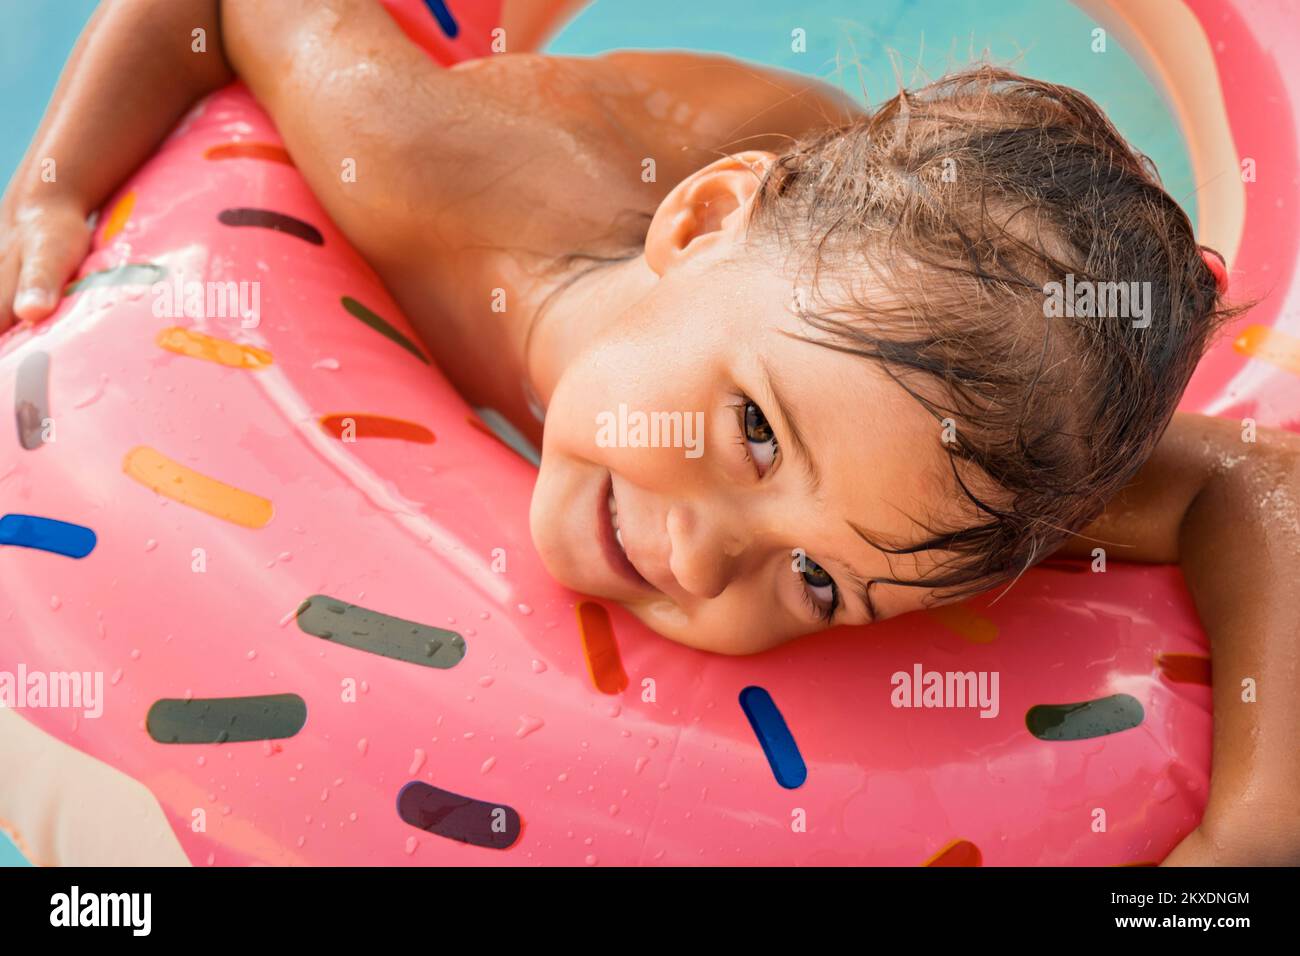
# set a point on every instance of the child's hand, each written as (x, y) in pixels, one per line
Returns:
(133, 73)
(1243, 836)
(41, 244)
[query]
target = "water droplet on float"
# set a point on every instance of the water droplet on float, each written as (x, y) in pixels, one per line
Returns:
(539, 667)
(363, 745)
(55, 601)
(416, 762)
(488, 765)
(135, 653)
(251, 655)
(94, 396)
(524, 609)
(411, 844)
(486, 680)
(591, 859)
(640, 764)
(117, 676)
(528, 725)
(151, 544)
(330, 364)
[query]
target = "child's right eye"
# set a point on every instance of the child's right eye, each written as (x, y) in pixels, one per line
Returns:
(757, 436)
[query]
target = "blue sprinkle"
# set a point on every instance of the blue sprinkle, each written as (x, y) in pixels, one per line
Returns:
(445, 20)
(47, 534)
(774, 736)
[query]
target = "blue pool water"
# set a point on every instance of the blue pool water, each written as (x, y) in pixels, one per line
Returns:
(849, 42)
(9, 855)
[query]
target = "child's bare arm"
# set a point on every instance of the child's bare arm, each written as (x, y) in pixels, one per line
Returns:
(380, 131)
(1228, 510)
(137, 67)
(340, 79)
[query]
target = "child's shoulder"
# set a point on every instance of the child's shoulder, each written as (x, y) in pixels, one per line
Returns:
(681, 108)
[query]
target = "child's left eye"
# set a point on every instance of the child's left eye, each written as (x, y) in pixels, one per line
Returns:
(820, 589)
(760, 441)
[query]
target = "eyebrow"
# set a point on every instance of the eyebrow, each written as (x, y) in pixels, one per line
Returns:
(814, 478)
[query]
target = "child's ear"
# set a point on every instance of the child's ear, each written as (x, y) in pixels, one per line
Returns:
(706, 210)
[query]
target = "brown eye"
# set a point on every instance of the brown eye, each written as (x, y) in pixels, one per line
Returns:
(756, 427)
(759, 438)
(820, 589)
(816, 576)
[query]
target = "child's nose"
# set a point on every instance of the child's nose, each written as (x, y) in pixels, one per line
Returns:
(705, 553)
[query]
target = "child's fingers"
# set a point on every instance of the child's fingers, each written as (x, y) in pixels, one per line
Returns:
(47, 262)
(8, 284)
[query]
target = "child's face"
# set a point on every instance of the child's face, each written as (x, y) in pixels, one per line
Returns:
(710, 527)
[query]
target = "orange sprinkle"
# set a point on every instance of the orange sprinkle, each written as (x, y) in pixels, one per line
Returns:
(199, 345)
(116, 220)
(1185, 668)
(376, 426)
(957, 853)
(155, 470)
(265, 151)
(1270, 345)
(966, 623)
(603, 660)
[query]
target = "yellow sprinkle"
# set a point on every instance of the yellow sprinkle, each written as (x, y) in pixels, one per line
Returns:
(155, 470)
(223, 352)
(118, 217)
(1270, 345)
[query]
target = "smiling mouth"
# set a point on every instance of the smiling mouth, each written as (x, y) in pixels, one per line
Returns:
(613, 520)
(611, 536)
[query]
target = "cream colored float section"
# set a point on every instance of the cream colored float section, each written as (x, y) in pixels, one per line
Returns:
(1167, 40)
(62, 807)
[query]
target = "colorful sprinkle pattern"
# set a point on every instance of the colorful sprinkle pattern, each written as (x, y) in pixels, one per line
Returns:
(31, 399)
(47, 534)
(168, 477)
(774, 737)
(275, 221)
(221, 720)
(366, 630)
(604, 663)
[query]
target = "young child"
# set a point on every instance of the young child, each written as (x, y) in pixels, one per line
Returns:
(853, 304)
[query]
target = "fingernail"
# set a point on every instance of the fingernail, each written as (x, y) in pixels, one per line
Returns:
(33, 299)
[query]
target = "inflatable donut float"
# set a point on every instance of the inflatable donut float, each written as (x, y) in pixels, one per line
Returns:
(297, 566)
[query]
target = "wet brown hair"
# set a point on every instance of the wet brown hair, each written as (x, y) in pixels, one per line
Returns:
(956, 204)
